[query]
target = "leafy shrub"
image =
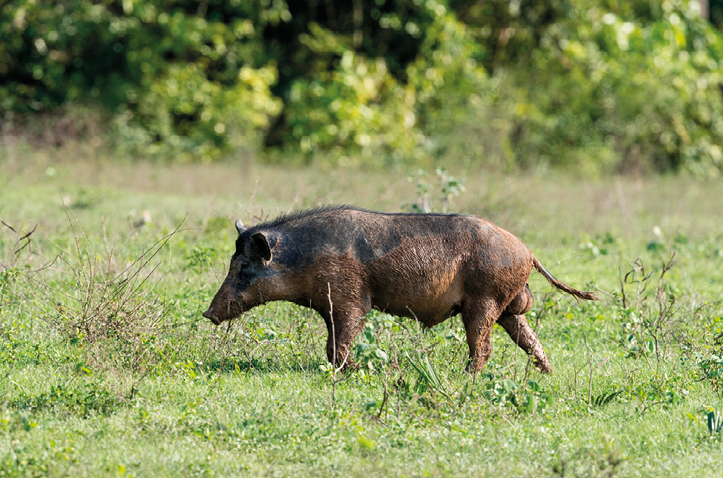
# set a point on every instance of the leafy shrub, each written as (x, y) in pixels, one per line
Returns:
(601, 86)
(711, 368)
(370, 352)
(510, 394)
(592, 85)
(23, 460)
(200, 258)
(430, 198)
(173, 76)
(82, 401)
(357, 105)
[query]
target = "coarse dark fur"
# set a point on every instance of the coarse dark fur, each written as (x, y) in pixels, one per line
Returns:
(343, 261)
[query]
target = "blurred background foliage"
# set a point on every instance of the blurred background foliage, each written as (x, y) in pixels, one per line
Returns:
(597, 86)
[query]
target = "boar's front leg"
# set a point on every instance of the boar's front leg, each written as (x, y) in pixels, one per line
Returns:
(479, 318)
(342, 299)
(344, 328)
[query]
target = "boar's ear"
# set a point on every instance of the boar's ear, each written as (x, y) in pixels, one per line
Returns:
(240, 226)
(261, 245)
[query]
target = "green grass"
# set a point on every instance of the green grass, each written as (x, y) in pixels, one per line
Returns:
(142, 385)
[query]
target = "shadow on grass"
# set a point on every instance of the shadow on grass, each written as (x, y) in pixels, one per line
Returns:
(263, 366)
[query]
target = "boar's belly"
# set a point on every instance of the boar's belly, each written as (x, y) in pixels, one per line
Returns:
(430, 296)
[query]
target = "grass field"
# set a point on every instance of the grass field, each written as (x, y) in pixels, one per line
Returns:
(108, 369)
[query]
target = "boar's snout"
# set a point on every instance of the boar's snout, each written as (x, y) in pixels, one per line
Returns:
(210, 316)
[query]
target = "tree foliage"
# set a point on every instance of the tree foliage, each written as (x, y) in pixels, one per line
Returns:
(598, 85)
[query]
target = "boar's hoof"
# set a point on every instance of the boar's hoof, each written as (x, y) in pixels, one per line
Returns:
(351, 366)
(543, 366)
(209, 315)
(472, 367)
(345, 366)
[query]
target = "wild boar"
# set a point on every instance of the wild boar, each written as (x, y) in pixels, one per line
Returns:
(343, 261)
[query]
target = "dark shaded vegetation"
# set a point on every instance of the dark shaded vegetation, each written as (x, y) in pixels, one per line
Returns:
(593, 85)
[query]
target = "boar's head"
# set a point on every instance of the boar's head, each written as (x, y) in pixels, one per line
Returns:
(246, 284)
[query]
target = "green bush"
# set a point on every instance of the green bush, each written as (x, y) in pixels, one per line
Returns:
(355, 105)
(592, 85)
(174, 75)
(608, 86)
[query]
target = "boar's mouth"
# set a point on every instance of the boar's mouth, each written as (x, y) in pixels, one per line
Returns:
(217, 315)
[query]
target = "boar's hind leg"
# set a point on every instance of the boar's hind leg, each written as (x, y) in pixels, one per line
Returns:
(523, 335)
(514, 322)
(479, 318)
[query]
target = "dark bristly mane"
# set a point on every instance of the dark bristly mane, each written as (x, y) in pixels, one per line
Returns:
(292, 216)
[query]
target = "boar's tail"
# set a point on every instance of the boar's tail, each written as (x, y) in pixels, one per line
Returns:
(561, 285)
